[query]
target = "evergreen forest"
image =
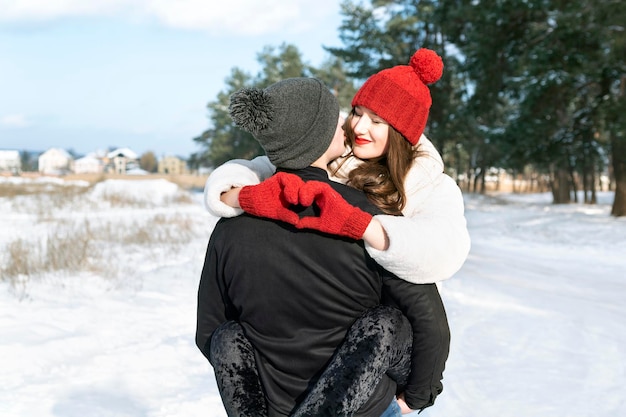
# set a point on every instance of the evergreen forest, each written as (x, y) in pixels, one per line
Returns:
(532, 88)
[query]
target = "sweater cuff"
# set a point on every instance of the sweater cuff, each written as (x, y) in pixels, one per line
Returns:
(223, 179)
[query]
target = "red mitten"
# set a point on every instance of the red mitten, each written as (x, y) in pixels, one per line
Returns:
(271, 198)
(337, 216)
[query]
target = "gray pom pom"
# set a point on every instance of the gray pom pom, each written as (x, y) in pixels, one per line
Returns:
(251, 109)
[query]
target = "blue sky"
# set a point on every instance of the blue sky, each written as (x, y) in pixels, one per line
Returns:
(86, 75)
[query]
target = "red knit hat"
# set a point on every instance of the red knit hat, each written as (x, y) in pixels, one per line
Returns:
(400, 95)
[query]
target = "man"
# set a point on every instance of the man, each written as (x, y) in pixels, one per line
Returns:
(280, 300)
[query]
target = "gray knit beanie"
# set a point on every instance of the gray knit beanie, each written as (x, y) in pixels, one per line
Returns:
(294, 120)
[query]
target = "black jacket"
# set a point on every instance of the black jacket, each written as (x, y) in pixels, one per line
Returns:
(295, 293)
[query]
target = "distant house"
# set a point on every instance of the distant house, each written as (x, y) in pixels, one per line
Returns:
(89, 164)
(55, 161)
(122, 160)
(172, 165)
(10, 162)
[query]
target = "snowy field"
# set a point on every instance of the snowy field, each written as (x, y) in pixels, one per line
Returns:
(537, 313)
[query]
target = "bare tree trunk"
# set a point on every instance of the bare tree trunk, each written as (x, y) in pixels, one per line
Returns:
(592, 182)
(573, 186)
(561, 186)
(618, 154)
(475, 179)
(482, 180)
(581, 179)
(618, 143)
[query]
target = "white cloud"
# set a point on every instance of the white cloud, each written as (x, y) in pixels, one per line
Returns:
(42, 10)
(246, 17)
(14, 120)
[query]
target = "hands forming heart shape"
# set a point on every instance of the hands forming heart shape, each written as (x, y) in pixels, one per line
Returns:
(274, 197)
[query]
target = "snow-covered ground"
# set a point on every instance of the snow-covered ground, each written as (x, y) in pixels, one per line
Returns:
(537, 313)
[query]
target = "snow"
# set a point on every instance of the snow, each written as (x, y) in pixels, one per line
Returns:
(536, 313)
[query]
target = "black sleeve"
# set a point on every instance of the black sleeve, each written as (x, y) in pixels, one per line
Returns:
(422, 305)
(213, 305)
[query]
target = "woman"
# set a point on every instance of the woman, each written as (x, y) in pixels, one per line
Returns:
(423, 237)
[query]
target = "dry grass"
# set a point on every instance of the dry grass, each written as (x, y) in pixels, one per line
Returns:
(122, 199)
(64, 249)
(81, 235)
(185, 181)
(11, 190)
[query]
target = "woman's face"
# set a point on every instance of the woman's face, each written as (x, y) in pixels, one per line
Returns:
(371, 133)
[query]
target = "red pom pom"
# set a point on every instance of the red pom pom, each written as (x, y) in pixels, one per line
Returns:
(427, 65)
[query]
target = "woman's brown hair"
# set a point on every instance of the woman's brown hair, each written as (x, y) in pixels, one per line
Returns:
(382, 178)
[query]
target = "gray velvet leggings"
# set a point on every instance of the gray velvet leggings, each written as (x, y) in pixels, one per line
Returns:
(378, 342)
